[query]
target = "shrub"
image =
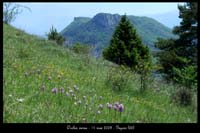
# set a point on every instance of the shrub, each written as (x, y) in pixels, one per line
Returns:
(182, 96)
(186, 76)
(81, 49)
(144, 69)
(117, 78)
(53, 35)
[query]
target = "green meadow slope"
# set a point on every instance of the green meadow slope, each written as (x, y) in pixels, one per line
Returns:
(32, 67)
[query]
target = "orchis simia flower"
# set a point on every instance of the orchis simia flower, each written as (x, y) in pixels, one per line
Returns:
(75, 88)
(49, 78)
(75, 97)
(109, 106)
(59, 76)
(100, 106)
(115, 107)
(26, 74)
(20, 100)
(42, 88)
(98, 112)
(62, 90)
(84, 97)
(121, 108)
(100, 98)
(71, 91)
(67, 94)
(72, 94)
(84, 120)
(38, 71)
(79, 102)
(86, 105)
(54, 90)
(116, 104)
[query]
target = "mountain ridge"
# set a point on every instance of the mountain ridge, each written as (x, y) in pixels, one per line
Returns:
(97, 31)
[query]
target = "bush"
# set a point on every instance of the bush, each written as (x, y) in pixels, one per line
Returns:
(144, 69)
(182, 96)
(81, 49)
(53, 35)
(117, 78)
(186, 76)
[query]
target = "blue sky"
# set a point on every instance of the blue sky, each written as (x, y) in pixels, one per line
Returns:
(44, 15)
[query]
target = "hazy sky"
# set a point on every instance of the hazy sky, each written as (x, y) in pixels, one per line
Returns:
(44, 15)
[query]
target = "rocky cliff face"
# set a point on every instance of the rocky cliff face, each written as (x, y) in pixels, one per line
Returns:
(81, 19)
(106, 20)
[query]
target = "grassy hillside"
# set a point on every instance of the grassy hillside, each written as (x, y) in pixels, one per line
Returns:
(33, 67)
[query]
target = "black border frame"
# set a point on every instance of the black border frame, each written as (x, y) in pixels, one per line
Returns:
(65, 127)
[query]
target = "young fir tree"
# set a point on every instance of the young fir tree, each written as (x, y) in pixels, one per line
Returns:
(126, 47)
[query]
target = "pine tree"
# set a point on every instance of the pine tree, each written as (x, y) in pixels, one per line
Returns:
(180, 55)
(187, 31)
(126, 47)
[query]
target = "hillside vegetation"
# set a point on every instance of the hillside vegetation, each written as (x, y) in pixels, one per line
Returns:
(47, 83)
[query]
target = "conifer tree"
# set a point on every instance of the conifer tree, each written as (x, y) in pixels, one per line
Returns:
(186, 44)
(126, 46)
(178, 57)
(55, 36)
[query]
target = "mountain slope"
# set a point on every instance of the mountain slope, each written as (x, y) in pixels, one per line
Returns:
(98, 30)
(150, 29)
(40, 76)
